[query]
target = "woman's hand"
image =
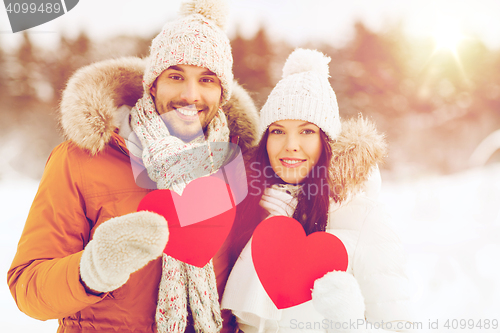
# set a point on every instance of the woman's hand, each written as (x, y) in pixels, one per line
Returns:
(278, 202)
(338, 298)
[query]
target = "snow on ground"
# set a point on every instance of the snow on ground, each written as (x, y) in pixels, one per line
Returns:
(451, 230)
(450, 227)
(16, 195)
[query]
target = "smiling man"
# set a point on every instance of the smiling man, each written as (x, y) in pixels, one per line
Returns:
(193, 93)
(86, 257)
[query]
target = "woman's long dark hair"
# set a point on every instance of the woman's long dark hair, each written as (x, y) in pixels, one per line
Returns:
(313, 199)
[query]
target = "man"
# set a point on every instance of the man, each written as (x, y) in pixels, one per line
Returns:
(86, 256)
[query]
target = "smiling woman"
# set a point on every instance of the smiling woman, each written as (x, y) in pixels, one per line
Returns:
(293, 147)
(322, 173)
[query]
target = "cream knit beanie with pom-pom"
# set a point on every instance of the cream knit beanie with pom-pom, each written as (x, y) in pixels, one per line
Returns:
(304, 93)
(198, 39)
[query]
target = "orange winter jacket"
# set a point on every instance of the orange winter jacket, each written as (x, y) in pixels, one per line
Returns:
(76, 194)
(78, 191)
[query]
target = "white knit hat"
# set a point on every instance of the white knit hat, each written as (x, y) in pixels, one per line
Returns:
(304, 93)
(197, 38)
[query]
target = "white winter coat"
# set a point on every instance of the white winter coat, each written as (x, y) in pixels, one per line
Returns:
(376, 259)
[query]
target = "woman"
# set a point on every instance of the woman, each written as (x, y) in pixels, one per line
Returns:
(310, 167)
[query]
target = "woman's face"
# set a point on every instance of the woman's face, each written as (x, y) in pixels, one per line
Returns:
(293, 147)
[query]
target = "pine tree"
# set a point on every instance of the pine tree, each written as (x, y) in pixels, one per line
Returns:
(68, 57)
(59, 67)
(3, 74)
(252, 60)
(81, 45)
(238, 48)
(25, 73)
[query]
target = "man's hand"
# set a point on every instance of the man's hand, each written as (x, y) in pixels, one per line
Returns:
(121, 246)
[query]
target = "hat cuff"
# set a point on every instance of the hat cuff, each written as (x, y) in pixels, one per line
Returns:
(296, 107)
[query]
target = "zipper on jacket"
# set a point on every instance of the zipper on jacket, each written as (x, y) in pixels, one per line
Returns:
(119, 146)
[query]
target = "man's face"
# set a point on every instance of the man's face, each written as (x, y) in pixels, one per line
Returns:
(187, 98)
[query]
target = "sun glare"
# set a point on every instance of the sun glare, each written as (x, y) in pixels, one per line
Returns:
(447, 35)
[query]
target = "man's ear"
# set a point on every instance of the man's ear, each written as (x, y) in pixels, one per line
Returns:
(153, 89)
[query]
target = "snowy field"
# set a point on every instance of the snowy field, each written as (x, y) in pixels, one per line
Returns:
(451, 230)
(450, 227)
(16, 195)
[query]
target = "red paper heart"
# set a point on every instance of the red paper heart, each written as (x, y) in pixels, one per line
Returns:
(287, 262)
(196, 242)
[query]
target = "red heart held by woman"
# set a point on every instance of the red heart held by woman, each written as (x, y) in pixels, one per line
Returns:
(288, 262)
(199, 220)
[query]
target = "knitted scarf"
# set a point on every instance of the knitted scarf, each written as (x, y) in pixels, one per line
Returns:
(172, 164)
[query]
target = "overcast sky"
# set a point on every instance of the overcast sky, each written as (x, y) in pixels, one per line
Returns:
(294, 20)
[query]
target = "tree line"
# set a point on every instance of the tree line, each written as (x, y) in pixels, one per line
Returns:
(434, 105)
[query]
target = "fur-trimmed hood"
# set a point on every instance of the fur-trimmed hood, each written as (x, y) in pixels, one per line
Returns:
(356, 153)
(89, 116)
(89, 108)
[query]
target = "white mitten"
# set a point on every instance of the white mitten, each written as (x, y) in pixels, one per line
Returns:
(278, 202)
(121, 246)
(338, 298)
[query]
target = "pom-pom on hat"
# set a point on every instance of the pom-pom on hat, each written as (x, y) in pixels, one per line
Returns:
(196, 38)
(304, 93)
